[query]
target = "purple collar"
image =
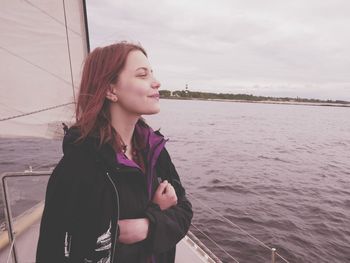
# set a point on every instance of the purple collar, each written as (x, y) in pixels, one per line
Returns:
(153, 143)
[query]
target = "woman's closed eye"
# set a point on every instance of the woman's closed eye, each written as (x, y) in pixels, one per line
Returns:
(142, 75)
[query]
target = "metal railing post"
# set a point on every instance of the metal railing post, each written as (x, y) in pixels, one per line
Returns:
(9, 227)
(273, 255)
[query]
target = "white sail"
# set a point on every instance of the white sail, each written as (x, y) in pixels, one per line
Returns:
(42, 47)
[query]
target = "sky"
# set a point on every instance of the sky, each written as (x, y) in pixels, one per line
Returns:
(267, 48)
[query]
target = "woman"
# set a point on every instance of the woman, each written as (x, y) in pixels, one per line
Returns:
(115, 196)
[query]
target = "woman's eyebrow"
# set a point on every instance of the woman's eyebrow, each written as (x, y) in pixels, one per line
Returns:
(144, 68)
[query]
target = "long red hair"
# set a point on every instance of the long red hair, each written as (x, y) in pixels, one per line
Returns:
(101, 68)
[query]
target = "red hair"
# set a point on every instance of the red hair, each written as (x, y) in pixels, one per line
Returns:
(101, 68)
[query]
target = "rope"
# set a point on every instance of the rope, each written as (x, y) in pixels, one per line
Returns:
(285, 260)
(233, 224)
(37, 111)
(68, 47)
(11, 248)
(216, 244)
(53, 18)
(37, 167)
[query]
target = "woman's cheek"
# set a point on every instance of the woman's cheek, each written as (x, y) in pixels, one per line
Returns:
(132, 87)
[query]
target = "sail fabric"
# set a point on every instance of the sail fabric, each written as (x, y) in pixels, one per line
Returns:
(42, 48)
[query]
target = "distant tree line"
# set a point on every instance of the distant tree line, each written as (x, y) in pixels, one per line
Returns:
(186, 94)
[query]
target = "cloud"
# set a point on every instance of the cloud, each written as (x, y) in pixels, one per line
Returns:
(235, 45)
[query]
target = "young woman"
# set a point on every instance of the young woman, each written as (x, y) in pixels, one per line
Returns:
(115, 196)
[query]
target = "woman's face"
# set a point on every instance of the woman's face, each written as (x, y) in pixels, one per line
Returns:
(136, 88)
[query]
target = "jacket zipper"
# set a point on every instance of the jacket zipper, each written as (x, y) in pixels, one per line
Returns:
(116, 231)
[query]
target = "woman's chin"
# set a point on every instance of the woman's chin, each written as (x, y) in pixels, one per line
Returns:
(152, 111)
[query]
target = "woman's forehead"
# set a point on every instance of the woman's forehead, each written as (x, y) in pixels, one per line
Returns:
(137, 60)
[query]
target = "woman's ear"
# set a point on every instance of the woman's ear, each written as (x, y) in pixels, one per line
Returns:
(111, 94)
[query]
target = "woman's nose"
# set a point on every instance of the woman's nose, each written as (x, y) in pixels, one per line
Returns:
(155, 84)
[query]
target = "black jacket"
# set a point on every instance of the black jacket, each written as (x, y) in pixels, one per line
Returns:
(86, 194)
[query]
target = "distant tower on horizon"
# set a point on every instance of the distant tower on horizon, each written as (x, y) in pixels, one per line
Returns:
(186, 89)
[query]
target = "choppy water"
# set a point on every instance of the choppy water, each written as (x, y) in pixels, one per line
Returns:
(280, 172)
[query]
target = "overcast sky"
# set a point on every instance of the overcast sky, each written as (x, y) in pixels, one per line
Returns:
(271, 48)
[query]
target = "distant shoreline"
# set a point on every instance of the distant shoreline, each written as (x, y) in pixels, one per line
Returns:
(264, 102)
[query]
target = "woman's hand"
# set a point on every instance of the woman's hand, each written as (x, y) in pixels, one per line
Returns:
(133, 230)
(165, 195)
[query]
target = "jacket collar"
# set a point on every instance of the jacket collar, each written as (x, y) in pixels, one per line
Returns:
(149, 140)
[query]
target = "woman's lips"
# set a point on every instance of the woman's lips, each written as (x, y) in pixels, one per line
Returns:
(154, 96)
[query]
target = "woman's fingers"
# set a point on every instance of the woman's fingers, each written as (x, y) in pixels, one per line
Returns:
(171, 193)
(162, 186)
(169, 188)
(165, 195)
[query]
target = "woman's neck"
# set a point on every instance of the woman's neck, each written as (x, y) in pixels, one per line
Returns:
(124, 123)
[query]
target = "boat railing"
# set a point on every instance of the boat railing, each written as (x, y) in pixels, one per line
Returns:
(273, 251)
(12, 242)
(13, 230)
(15, 225)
